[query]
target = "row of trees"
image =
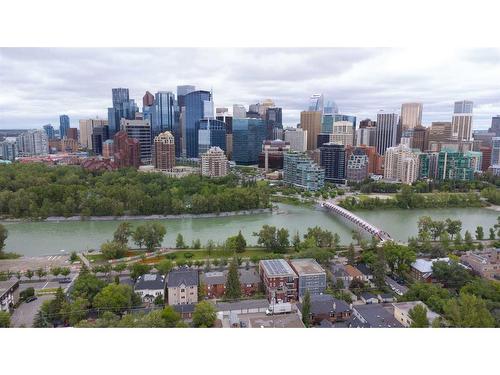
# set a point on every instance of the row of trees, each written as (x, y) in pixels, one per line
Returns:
(38, 191)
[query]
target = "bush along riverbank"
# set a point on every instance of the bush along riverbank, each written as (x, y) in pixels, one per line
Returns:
(408, 199)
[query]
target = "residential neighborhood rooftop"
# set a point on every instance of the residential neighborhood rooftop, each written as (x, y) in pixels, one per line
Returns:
(277, 267)
(250, 276)
(150, 281)
(407, 306)
(352, 271)
(425, 265)
(325, 303)
(214, 277)
(182, 276)
(373, 316)
(307, 267)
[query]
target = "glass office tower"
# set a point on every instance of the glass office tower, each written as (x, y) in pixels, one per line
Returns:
(63, 126)
(211, 133)
(248, 135)
(195, 107)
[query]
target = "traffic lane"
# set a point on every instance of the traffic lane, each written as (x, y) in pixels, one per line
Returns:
(24, 315)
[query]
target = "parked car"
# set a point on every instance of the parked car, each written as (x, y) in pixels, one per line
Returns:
(66, 280)
(31, 299)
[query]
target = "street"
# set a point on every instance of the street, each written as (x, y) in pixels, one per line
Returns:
(23, 316)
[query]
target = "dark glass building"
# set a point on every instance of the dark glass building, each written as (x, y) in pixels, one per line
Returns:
(163, 117)
(273, 120)
(100, 134)
(332, 159)
(123, 107)
(211, 133)
(63, 126)
(248, 135)
(196, 103)
(323, 138)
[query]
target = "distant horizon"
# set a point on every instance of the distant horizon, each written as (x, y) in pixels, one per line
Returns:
(39, 84)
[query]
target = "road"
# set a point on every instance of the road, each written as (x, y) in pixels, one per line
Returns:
(23, 316)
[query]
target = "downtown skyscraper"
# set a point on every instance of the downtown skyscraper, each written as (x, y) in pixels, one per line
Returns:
(64, 125)
(461, 122)
(123, 107)
(198, 106)
(386, 131)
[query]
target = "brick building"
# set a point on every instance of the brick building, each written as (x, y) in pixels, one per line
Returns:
(279, 279)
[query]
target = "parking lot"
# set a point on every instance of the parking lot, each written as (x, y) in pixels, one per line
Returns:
(261, 320)
(23, 316)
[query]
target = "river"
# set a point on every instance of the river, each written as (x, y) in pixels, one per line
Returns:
(49, 238)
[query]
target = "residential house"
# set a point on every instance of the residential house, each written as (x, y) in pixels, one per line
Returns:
(9, 294)
(368, 298)
(279, 279)
(326, 307)
(186, 311)
(150, 286)
(484, 263)
(182, 286)
(421, 269)
(373, 316)
(386, 297)
(312, 277)
(339, 273)
(353, 273)
(365, 271)
(249, 281)
(402, 312)
(214, 283)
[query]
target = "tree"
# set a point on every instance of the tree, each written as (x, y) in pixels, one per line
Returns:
(351, 255)
(4, 233)
(282, 239)
(41, 273)
(451, 274)
(139, 236)
(266, 237)
(56, 271)
(296, 241)
(122, 233)
(86, 286)
(65, 271)
(492, 234)
(196, 244)
(113, 250)
(120, 267)
(204, 314)
(306, 309)
(379, 268)
(75, 311)
(233, 287)
(479, 233)
(399, 257)
(468, 311)
(336, 241)
(73, 257)
(179, 242)
(4, 319)
(432, 295)
(114, 298)
(159, 300)
(170, 316)
(418, 315)
(453, 227)
(357, 286)
(29, 274)
(210, 246)
(458, 240)
(138, 269)
(240, 242)
(164, 266)
(468, 240)
(40, 320)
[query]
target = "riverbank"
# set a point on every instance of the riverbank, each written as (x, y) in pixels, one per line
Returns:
(57, 219)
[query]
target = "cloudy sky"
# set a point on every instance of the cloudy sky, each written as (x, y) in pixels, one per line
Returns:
(39, 84)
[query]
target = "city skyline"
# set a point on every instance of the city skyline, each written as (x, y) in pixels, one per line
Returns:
(42, 83)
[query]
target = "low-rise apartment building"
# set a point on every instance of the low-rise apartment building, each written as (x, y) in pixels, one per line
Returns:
(402, 312)
(9, 294)
(182, 286)
(279, 279)
(150, 286)
(312, 277)
(485, 263)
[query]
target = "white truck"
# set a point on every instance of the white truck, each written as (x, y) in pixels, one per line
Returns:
(279, 308)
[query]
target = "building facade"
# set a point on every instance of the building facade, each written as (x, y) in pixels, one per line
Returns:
(297, 138)
(332, 159)
(312, 277)
(310, 121)
(64, 125)
(248, 135)
(279, 279)
(387, 131)
(140, 130)
(411, 115)
(214, 163)
(300, 171)
(164, 152)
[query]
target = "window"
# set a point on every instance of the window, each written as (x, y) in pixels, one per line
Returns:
(183, 290)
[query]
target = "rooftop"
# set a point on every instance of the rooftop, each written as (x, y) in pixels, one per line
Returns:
(306, 267)
(364, 269)
(213, 278)
(242, 305)
(186, 308)
(150, 281)
(425, 265)
(182, 276)
(277, 267)
(352, 271)
(373, 316)
(250, 276)
(325, 303)
(7, 285)
(407, 306)
(275, 321)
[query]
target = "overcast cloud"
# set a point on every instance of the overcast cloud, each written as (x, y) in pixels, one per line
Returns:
(39, 84)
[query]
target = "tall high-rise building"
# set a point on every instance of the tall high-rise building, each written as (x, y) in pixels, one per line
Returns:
(401, 164)
(87, 128)
(374, 160)
(311, 122)
(107, 149)
(343, 133)
(420, 138)
(148, 99)
(454, 165)
(140, 130)
(300, 171)
(123, 107)
(316, 103)
(126, 151)
(367, 123)
(239, 111)
(387, 131)
(331, 108)
(297, 138)
(495, 125)
(100, 134)
(248, 135)
(197, 104)
(63, 126)
(462, 121)
(211, 133)
(357, 164)
(273, 117)
(182, 91)
(72, 134)
(411, 115)
(272, 154)
(440, 131)
(163, 117)
(164, 151)
(49, 130)
(332, 159)
(495, 151)
(33, 142)
(366, 136)
(214, 163)
(8, 149)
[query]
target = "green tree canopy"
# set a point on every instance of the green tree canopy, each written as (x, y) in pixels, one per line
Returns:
(418, 315)
(204, 314)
